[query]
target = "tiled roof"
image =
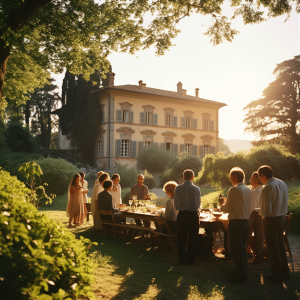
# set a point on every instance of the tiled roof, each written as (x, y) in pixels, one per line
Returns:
(158, 92)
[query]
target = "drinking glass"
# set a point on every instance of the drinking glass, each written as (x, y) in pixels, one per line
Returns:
(134, 197)
(130, 203)
(211, 207)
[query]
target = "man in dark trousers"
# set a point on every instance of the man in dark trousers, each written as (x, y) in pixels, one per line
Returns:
(238, 204)
(187, 199)
(274, 205)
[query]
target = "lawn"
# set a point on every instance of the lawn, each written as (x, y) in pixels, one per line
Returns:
(129, 270)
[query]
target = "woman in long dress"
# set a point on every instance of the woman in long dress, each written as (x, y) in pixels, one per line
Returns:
(94, 208)
(84, 184)
(75, 209)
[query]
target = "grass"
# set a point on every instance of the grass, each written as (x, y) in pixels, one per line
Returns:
(129, 270)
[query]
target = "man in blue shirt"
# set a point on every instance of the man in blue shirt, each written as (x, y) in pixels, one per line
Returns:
(187, 199)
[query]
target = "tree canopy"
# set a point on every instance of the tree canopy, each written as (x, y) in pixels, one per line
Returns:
(40, 36)
(276, 116)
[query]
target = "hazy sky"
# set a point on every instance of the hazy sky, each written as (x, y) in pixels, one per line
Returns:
(234, 73)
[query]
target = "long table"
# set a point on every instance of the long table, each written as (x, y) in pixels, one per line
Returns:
(210, 225)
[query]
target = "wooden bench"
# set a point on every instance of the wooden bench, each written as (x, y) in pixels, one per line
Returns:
(112, 226)
(170, 236)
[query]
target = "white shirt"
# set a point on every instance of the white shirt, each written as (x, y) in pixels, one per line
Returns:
(97, 189)
(171, 212)
(238, 202)
(85, 187)
(274, 198)
(116, 193)
(255, 198)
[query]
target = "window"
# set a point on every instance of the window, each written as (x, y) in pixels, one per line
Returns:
(100, 148)
(125, 148)
(169, 120)
(147, 144)
(188, 149)
(168, 146)
(188, 122)
(206, 124)
(126, 116)
(205, 150)
(149, 118)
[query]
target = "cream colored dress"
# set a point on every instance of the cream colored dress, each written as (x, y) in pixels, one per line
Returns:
(95, 213)
(75, 207)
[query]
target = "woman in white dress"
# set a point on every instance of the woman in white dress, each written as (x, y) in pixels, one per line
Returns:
(116, 190)
(97, 189)
(75, 207)
(98, 176)
(84, 184)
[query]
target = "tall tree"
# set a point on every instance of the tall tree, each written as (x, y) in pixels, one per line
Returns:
(224, 148)
(79, 114)
(38, 109)
(79, 34)
(275, 117)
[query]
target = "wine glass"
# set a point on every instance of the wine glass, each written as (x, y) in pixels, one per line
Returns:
(211, 207)
(130, 203)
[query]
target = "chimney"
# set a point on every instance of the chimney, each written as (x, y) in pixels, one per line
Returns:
(141, 84)
(179, 88)
(111, 79)
(197, 92)
(183, 92)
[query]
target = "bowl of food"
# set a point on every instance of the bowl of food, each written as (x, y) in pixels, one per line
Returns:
(217, 214)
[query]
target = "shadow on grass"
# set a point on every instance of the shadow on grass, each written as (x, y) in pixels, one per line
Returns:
(155, 274)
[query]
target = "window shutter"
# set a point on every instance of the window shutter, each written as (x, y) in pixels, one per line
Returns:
(212, 125)
(212, 149)
(119, 115)
(175, 149)
(195, 123)
(163, 146)
(140, 146)
(101, 120)
(155, 119)
(183, 122)
(201, 151)
(175, 121)
(181, 148)
(132, 148)
(195, 150)
(131, 117)
(118, 148)
(142, 118)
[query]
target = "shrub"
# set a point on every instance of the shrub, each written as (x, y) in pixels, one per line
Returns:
(57, 173)
(128, 176)
(176, 172)
(149, 180)
(154, 160)
(217, 167)
(11, 161)
(18, 138)
(40, 259)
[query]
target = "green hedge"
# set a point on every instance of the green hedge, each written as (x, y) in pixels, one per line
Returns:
(57, 173)
(216, 168)
(39, 258)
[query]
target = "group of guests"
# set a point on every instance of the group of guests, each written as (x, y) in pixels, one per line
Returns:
(260, 209)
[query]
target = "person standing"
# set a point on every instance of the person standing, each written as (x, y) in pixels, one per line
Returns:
(97, 189)
(116, 190)
(142, 193)
(274, 205)
(75, 210)
(187, 199)
(238, 204)
(85, 190)
(256, 221)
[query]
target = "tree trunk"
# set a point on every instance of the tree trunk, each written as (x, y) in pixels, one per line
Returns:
(4, 55)
(49, 127)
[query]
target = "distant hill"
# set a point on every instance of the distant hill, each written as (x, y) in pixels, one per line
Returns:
(238, 145)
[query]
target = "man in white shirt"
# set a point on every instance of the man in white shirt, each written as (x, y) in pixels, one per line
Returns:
(274, 204)
(256, 222)
(238, 204)
(116, 190)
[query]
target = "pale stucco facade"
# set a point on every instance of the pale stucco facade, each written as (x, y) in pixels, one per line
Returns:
(135, 116)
